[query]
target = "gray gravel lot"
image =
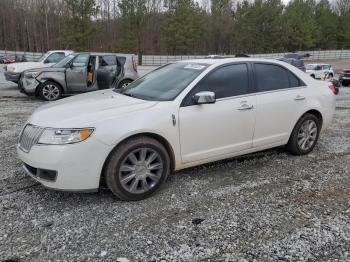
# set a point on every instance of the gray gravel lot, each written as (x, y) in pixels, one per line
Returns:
(266, 206)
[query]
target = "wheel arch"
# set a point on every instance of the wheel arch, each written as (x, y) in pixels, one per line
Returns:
(43, 81)
(155, 136)
(314, 112)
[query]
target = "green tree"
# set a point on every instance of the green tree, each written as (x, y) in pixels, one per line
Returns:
(79, 27)
(299, 25)
(185, 28)
(133, 19)
(327, 26)
(258, 26)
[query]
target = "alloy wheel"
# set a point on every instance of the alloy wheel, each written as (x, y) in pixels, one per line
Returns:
(50, 92)
(141, 170)
(307, 135)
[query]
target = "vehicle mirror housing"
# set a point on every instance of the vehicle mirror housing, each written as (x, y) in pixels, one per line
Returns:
(204, 97)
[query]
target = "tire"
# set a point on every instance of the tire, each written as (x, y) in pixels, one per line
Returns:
(304, 129)
(124, 83)
(330, 76)
(50, 91)
(313, 76)
(130, 178)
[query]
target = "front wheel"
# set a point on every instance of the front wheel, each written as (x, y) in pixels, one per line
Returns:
(304, 135)
(137, 168)
(50, 91)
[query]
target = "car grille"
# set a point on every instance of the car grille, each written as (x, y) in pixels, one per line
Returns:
(29, 137)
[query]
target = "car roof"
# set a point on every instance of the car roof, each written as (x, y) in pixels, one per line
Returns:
(99, 53)
(231, 60)
(320, 64)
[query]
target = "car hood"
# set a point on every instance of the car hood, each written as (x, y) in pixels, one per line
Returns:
(87, 110)
(20, 67)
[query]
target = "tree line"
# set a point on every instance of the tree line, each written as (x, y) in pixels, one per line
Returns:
(174, 27)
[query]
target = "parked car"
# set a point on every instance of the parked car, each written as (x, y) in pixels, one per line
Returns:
(344, 77)
(13, 71)
(180, 115)
(320, 70)
(9, 59)
(298, 63)
(80, 72)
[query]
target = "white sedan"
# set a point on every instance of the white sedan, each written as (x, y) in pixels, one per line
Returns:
(181, 115)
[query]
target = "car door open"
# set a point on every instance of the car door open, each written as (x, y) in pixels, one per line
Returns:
(107, 71)
(225, 126)
(76, 74)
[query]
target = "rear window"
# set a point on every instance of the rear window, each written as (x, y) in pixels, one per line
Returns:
(108, 60)
(273, 77)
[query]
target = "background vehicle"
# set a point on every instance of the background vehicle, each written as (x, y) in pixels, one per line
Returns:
(13, 71)
(344, 77)
(298, 63)
(80, 72)
(181, 115)
(319, 70)
(12, 59)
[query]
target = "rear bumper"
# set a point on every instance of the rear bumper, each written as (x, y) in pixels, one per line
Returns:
(11, 76)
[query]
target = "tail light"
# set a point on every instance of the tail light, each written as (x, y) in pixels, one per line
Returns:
(134, 63)
(334, 89)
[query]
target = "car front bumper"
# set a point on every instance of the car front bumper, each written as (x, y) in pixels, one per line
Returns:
(12, 76)
(29, 85)
(71, 167)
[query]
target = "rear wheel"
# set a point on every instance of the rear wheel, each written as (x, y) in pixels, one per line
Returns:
(50, 91)
(313, 76)
(123, 84)
(304, 135)
(137, 168)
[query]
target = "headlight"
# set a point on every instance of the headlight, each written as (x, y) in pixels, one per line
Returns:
(53, 136)
(32, 74)
(11, 69)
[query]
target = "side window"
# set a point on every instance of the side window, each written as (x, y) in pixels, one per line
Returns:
(295, 81)
(54, 58)
(270, 77)
(108, 60)
(80, 60)
(227, 81)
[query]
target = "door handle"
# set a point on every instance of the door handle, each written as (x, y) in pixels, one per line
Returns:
(245, 107)
(299, 98)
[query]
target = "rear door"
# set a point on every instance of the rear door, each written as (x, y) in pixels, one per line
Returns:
(281, 98)
(107, 71)
(76, 74)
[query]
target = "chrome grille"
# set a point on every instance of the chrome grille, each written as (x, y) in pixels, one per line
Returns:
(29, 137)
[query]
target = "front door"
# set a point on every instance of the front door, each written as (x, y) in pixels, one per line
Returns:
(76, 74)
(214, 130)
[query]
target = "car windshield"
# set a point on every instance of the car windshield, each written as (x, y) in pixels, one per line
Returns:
(165, 83)
(64, 61)
(43, 57)
(311, 67)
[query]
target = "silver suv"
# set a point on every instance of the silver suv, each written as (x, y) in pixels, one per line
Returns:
(78, 73)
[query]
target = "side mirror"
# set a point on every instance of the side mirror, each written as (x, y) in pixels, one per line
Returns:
(204, 97)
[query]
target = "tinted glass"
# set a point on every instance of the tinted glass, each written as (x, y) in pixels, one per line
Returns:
(121, 59)
(80, 60)
(108, 60)
(55, 58)
(227, 81)
(270, 77)
(64, 61)
(165, 83)
(294, 81)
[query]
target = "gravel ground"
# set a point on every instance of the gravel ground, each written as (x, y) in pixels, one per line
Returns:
(266, 206)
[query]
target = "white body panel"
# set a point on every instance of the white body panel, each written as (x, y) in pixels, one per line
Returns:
(22, 66)
(199, 134)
